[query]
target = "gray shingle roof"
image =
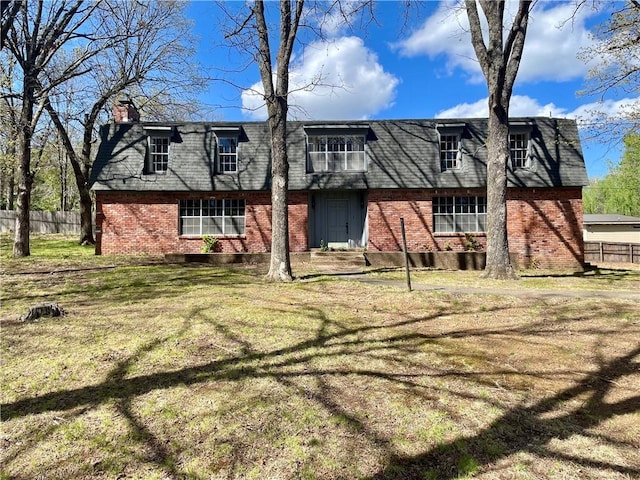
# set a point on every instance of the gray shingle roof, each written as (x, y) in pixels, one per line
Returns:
(609, 218)
(400, 154)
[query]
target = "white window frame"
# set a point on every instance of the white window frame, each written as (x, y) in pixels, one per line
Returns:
(450, 151)
(453, 211)
(336, 153)
(519, 149)
(222, 217)
(227, 154)
(159, 157)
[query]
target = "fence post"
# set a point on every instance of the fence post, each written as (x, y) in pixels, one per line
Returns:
(630, 253)
(601, 251)
(406, 254)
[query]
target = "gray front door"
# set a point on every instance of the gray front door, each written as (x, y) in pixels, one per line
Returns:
(337, 222)
(338, 219)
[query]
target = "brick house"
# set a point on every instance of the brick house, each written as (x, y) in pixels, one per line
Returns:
(161, 186)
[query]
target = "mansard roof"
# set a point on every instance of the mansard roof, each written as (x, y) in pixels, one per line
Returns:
(400, 154)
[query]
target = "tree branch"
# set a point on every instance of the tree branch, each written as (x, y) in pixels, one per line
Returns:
(477, 39)
(8, 18)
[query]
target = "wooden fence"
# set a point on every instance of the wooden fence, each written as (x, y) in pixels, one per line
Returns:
(612, 252)
(43, 222)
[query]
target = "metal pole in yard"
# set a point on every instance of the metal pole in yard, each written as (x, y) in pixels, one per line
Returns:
(406, 254)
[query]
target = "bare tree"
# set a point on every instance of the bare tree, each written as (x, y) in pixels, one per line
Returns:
(617, 55)
(252, 33)
(9, 11)
(499, 56)
(42, 30)
(9, 125)
(149, 59)
(276, 98)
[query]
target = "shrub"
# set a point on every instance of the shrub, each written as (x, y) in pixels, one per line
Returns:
(211, 244)
(471, 244)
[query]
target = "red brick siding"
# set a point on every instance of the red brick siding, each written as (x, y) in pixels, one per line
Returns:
(386, 207)
(147, 223)
(544, 225)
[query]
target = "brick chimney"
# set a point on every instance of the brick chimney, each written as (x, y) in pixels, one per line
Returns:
(125, 112)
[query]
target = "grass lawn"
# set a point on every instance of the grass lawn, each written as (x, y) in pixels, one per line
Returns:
(164, 371)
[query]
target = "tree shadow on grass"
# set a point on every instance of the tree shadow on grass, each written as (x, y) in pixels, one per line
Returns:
(526, 429)
(594, 273)
(123, 284)
(521, 429)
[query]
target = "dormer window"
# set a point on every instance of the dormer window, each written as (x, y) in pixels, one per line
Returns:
(449, 152)
(228, 154)
(450, 141)
(228, 139)
(159, 146)
(159, 153)
(336, 148)
(336, 153)
(519, 149)
(519, 143)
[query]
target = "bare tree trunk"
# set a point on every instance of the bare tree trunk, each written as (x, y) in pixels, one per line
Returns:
(86, 203)
(3, 189)
(25, 176)
(498, 261)
(80, 171)
(86, 216)
(34, 40)
(11, 192)
(276, 98)
(280, 266)
(499, 57)
(62, 178)
(8, 181)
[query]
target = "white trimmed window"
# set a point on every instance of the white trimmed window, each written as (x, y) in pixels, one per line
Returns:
(228, 154)
(519, 149)
(158, 148)
(212, 217)
(340, 153)
(450, 152)
(159, 154)
(459, 214)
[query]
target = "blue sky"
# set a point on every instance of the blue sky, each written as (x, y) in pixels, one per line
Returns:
(423, 67)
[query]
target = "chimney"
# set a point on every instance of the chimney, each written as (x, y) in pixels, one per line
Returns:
(125, 112)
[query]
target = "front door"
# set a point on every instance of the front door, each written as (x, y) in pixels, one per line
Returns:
(337, 222)
(338, 219)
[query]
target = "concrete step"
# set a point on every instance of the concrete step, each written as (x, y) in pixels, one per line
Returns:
(338, 258)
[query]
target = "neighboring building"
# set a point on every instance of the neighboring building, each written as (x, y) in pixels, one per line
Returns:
(611, 228)
(161, 186)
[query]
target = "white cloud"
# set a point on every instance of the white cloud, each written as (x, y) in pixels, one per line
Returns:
(341, 79)
(607, 108)
(444, 33)
(606, 112)
(553, 40)
(466, 110)
(521, 106)
(524, 106)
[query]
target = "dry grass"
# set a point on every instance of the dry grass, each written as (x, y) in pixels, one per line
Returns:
(163, 371)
